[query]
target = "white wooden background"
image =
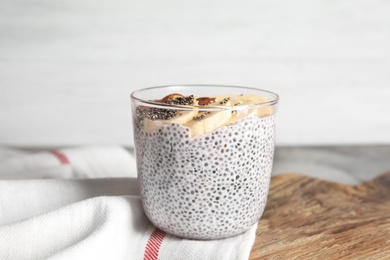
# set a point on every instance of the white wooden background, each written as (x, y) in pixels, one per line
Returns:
(67, 66)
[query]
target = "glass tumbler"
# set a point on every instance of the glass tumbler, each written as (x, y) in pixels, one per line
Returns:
(204, 157)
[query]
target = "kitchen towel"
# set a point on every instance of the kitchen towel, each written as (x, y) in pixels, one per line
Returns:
(83, 203)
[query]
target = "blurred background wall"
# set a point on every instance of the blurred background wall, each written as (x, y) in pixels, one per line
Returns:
(67, 67)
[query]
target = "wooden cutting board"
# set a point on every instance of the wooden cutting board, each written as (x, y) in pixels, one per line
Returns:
(308, 218)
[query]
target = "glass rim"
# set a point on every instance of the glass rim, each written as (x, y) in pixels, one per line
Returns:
(155, 104)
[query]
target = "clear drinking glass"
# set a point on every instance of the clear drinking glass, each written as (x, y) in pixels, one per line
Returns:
(204, 167)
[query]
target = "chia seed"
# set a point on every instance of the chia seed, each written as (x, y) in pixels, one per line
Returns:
(153, 113)
(224, 101)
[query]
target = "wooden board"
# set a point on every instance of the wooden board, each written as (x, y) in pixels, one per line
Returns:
(307, 218)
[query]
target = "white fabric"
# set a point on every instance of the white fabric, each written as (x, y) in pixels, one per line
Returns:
(97, 216)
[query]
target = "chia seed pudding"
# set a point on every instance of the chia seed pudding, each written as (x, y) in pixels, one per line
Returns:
(210, 185)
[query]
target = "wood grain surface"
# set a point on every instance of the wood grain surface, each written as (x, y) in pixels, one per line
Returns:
(308, 218)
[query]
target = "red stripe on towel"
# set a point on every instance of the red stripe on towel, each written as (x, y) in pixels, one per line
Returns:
(153, 245)
(61, 157)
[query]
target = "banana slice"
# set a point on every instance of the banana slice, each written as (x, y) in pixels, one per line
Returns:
(264, 111)
(206, 122)
(249, 99)
(182, 117)
(240, 114)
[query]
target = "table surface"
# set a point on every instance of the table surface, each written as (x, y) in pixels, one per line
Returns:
(308, 218)
(320, 211)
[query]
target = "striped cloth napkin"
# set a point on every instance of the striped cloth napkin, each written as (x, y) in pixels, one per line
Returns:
(83, 203)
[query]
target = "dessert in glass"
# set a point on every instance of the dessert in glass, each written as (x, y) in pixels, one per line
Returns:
(204, 157)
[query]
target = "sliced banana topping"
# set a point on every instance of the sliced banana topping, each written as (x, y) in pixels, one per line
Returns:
(202, 122)
(153, 118)
(240, 114)
(181, 117)
(248, 99)
(206, 122)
